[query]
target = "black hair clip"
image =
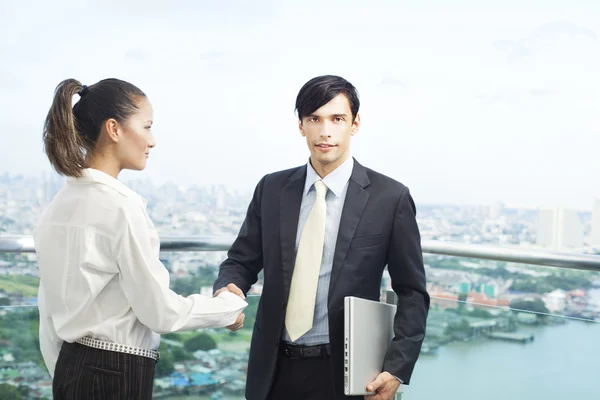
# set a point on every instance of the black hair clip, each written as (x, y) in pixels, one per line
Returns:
(83, 90)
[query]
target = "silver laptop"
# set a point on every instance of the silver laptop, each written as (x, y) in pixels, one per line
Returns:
(368, 332)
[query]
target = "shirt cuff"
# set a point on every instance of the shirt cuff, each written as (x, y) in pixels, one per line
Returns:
(401, 381)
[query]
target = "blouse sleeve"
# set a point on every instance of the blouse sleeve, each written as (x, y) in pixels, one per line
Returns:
(145, 282)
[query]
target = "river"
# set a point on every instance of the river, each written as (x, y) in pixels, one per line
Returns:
(563, 362)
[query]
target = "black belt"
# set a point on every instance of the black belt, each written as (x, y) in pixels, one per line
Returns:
(298, 351)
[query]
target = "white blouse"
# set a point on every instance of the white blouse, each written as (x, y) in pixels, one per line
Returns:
(98, 254)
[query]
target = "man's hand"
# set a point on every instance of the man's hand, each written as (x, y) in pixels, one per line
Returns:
(239, 322)
(385, 386)
(231, 288)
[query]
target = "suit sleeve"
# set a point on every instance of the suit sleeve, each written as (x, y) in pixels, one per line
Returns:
(245, 258)
(405, 265)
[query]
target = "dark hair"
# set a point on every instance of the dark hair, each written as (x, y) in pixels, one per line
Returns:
(321, 90)
(71, 132)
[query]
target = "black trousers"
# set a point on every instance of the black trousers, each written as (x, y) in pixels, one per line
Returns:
(302, 378)
(84, 372)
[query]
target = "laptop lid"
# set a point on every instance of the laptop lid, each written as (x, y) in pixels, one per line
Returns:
(368, 332)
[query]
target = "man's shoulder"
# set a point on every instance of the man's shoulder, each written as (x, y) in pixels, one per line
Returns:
(388, 189)
(283, 176)
(377, 179)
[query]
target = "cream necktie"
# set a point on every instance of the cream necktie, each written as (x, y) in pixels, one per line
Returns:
(303, 289)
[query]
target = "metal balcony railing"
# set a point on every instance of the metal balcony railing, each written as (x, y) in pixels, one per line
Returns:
(24, 244)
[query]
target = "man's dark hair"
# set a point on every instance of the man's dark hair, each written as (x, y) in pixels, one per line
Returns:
(321, 90)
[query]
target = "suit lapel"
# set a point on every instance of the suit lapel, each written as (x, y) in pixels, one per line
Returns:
(354, 204)
(290, 201)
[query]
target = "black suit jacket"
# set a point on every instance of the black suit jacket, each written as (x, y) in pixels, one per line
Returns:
(377, 228)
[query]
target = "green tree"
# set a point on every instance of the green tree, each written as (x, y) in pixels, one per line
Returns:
(481, 313)
(458, 329)
(179, 354)
(201, 341)
(165, 365)
(208, 273)
(176, 336)
(191, 285)
(250, 312)
(12, 392)
(535, 305)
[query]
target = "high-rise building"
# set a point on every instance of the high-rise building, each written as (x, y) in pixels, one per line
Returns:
(52, 182)
(496, 210)
(595, 237)
(559, 229)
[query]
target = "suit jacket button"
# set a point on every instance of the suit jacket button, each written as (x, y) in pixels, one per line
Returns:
(277, 343)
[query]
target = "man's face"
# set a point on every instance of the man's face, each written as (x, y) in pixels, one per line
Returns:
(327, 132)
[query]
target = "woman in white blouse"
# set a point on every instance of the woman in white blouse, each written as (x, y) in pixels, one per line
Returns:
(104, 296)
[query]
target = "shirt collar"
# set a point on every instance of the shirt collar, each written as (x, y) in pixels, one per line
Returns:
(335, 181)
(95, 176)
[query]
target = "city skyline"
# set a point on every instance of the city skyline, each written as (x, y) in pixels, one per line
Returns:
(463, 103)
(136, 182)
(218, 210)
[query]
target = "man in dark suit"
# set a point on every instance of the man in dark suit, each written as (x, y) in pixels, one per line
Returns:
(321, 232)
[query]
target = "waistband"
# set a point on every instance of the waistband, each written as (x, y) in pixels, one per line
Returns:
(121, 348)
(296, 351)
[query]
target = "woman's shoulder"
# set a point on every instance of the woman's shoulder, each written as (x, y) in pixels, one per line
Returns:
(99, 207)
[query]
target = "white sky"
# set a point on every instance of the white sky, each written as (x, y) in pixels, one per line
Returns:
(469, 102)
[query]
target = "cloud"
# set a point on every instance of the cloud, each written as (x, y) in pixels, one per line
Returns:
(229, 71)
(547, 37)
(497, 98)
(504, 46)
(510, 96)
(395, 82)
(10, 81)
(557, 30)
(212, 55)
(542, 92)
(138, 54)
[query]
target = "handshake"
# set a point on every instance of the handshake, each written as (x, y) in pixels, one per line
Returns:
(239, 322)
